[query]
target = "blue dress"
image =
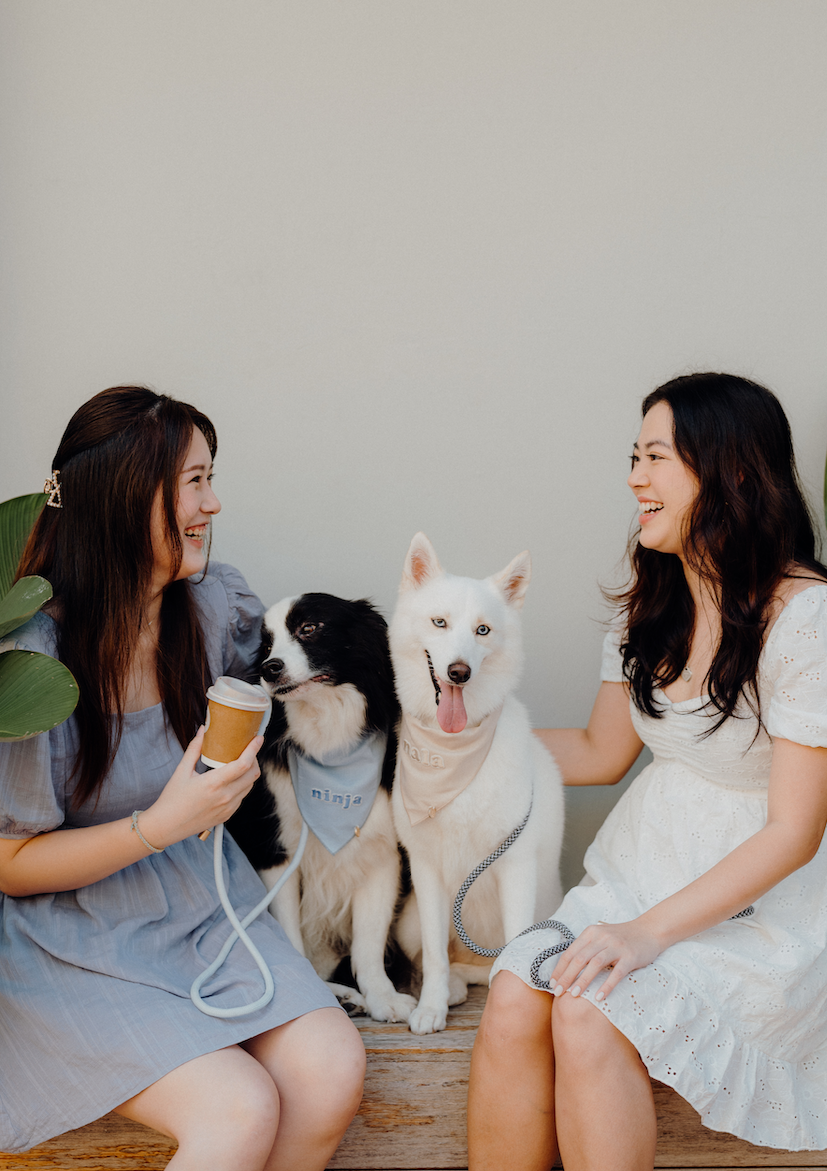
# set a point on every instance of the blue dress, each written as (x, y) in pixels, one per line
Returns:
(94, 983)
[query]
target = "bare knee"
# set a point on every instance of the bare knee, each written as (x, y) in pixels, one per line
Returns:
(583, 1037)
(342, 1071)
(318, 1064)
(244, 1116)
(222, 1108)
(515, 1015)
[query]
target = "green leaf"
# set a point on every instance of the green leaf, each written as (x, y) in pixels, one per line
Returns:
(22, 601)
(17, 519)
(36, 693)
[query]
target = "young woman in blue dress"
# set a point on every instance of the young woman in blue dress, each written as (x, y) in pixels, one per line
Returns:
(108, 917)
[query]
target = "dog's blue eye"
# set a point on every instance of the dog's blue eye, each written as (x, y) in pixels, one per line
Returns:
(439, 622)
(483, 629)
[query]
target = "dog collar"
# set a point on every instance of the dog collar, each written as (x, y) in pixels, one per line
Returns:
(335, 793)
(435, 766)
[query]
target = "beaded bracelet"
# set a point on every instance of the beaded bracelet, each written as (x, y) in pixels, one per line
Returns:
(136, 829)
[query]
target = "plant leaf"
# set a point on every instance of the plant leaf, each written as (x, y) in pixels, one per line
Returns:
(17, 517)
(22, 601)
(36, 693)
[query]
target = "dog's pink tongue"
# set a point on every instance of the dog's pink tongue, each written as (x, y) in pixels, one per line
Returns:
(451, 709)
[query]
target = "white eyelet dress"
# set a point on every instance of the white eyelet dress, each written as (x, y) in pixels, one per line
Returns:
(94, 983)
(734, 1018)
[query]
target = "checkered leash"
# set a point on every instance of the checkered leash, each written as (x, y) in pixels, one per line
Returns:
(568, 937)
(552, 924)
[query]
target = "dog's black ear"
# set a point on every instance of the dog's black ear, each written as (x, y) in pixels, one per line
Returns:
(513, 581)
(421, 564)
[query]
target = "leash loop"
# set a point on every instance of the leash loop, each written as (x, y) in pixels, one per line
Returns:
(239, 932)
(547, 952)
(568, 938)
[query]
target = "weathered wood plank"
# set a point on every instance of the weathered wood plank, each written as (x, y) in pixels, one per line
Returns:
(111, 1142)
(412, 1118)
(413, 1111)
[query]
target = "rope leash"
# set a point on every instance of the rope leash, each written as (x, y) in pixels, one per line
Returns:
(552, 924)
(472, 877)
(240, 933)
(568, 938)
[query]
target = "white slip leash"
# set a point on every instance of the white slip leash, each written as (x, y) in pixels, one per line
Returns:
(240, 933)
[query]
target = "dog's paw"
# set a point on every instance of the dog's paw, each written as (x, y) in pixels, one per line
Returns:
(352, 1002)
(457, 988)
(428, 1019)
(396, 1007)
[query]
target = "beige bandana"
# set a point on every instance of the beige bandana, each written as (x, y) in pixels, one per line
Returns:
(435, 766)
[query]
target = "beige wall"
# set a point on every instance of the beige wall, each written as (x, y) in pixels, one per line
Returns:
(418, 260)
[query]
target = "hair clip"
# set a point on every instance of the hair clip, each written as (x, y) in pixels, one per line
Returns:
(53, 488)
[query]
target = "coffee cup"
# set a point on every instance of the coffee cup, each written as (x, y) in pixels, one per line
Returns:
(236, 713)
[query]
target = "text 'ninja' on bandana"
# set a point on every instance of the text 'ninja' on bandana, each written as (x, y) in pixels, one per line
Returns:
(335, 794)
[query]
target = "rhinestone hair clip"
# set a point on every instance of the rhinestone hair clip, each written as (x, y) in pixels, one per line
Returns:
(52, 486)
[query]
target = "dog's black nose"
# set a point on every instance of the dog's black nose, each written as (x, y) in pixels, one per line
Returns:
(459, 672)
(272, 669)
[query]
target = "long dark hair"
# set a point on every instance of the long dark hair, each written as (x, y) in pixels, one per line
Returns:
(747, 530)
(96, 551)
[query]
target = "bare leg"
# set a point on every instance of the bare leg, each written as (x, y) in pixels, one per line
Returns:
(605, 1109)
(511, 1089)
(282, 1100)
(222, 1109)
(317, 1062)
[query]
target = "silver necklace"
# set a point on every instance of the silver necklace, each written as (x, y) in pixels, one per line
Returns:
(686, 674)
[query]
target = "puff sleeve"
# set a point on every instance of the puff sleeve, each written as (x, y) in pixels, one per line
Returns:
(796, 669)
(32, 793)
(231, 617)
(611, 667)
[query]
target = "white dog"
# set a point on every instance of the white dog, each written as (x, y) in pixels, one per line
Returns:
(468, 772)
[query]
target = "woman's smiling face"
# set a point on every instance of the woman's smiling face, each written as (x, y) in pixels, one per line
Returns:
(195, 505)
(664, 486)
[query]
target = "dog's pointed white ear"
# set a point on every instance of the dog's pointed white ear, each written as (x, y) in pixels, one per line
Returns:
(421, 564)
(513, 580)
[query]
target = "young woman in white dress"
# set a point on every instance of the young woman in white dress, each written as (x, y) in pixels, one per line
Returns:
(717, 661)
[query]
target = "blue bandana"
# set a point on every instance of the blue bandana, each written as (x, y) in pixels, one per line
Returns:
(335, 795)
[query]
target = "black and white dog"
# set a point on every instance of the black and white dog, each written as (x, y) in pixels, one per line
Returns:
(328, 759)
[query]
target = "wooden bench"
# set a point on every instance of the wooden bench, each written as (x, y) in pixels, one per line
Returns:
(412, 1117)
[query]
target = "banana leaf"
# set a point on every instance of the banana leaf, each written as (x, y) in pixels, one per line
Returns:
(36, 693)
(22, 601)
(17, 517)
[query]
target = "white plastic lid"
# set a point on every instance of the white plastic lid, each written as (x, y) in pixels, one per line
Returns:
(236, 693)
